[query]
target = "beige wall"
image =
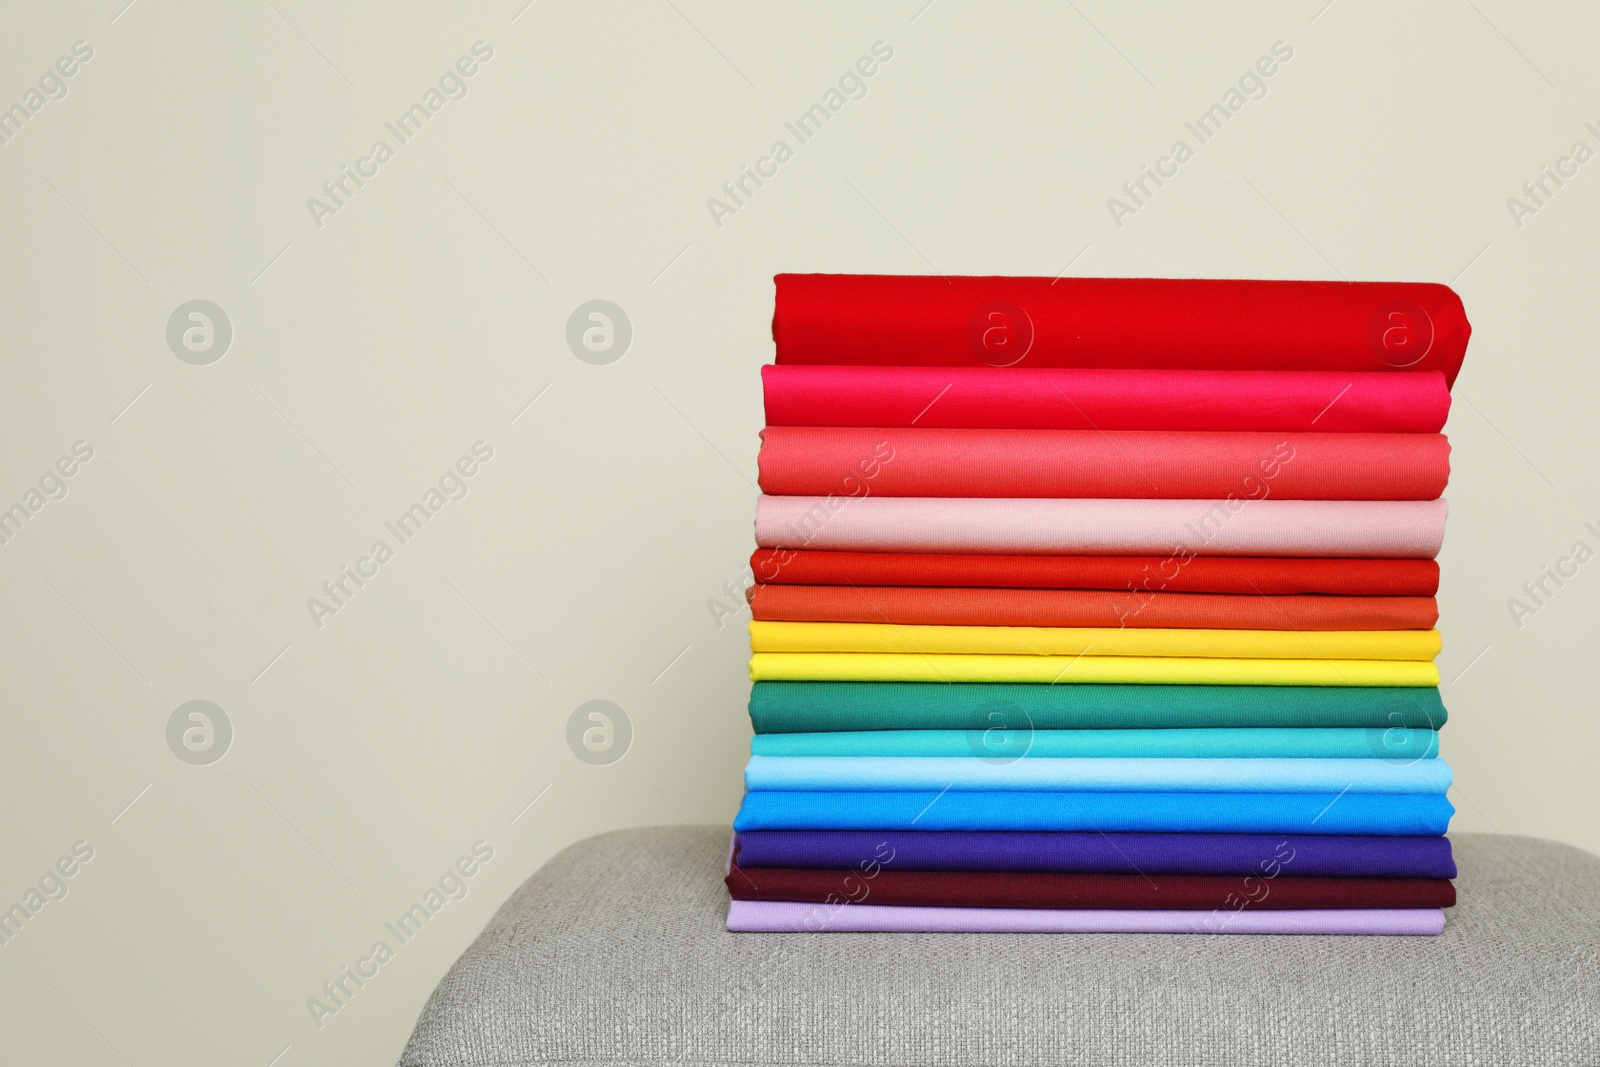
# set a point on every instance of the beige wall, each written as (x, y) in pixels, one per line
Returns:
(374, 345)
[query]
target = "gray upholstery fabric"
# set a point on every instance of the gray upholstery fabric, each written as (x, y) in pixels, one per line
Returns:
(615, 953)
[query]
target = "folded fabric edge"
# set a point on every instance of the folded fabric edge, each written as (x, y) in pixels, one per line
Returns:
(793, 917)
(1117, 670)
(1163, 642)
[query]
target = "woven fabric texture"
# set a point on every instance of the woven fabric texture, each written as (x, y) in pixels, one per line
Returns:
(615, 953)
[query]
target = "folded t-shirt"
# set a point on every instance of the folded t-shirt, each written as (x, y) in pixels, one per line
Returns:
(1079, 669)
(783, 916)
(1125, 464)
(1033, 889)
(1244, 524)
(797, 706)
(1105, 399)
(1105, 774)
(1389, 815)
(1274, 855)
(1420, 645)
(1163, 323)
(916, 606)
(1002, 742)
(1269, 575)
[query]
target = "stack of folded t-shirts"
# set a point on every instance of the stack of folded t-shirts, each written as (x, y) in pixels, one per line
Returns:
(1099, 605)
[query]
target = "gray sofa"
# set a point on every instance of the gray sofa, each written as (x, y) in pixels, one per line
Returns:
(615, 953)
